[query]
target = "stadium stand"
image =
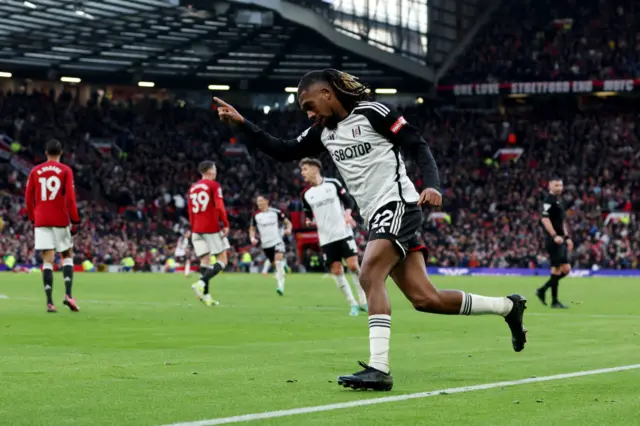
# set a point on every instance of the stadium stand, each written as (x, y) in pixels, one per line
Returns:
(135, 158)
(549, 40)
(134, 200)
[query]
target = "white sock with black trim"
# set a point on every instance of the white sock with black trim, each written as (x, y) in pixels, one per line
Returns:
(473, 304)
(379, 337)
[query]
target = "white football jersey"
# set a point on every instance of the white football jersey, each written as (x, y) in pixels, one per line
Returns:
(365, 147)
(325, 202)
(269, 223)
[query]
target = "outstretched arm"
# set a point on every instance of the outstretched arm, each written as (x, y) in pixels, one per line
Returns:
(308, 144)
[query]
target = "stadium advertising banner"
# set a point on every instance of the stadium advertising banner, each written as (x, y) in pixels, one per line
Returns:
(542, 87)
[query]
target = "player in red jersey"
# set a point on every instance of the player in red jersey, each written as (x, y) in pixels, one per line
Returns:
(51, 206)
(206, 211)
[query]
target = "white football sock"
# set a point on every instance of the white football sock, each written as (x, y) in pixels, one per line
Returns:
(362, 297)
(343, 285)
(187, 268)
(473, 304)
(265, 266)
(379, 336)
(280, 274)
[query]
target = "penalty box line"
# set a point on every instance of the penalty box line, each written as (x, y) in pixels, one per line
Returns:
(405, 397)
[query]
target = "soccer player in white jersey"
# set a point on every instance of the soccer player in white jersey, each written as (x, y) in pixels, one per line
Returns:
(268, 221)
(365, 140)
(330, 204)
(182, 252)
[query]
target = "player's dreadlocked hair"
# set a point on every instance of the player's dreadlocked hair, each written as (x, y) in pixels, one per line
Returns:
(347, 87)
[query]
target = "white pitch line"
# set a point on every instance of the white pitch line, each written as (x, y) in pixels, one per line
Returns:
(383, 400)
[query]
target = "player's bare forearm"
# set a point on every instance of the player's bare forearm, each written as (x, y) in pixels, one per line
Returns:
(546, 222)
(566, 229)
(288, 226)
(252, 233)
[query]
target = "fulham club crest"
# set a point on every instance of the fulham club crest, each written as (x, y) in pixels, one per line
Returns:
(356, 132)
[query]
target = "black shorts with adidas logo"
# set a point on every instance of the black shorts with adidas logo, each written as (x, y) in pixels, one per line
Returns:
(400, 223)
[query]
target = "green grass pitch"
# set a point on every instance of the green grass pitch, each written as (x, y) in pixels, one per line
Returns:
(144, 351)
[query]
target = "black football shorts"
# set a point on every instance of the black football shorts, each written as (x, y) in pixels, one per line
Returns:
(400, 223)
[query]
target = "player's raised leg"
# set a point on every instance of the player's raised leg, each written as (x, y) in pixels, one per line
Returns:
(337, 272)
(280, 274)
(411, 277)
(67, 273)
(354, 267)
(379, 259)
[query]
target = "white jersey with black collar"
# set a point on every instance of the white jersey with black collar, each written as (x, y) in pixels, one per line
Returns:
(326, 202)
(366, 148)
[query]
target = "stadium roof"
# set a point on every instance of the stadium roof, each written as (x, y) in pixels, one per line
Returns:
(237, 42)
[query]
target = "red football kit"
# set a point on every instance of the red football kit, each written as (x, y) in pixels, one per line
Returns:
(206, 207)
(50, 196)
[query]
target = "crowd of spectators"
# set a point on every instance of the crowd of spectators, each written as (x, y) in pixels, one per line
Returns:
(132, 190)
(133, 198)
(543, 40)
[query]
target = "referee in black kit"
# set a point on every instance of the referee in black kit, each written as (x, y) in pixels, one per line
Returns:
(558, 242)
